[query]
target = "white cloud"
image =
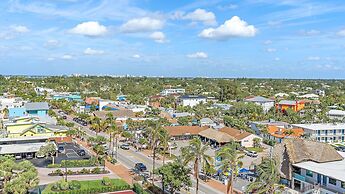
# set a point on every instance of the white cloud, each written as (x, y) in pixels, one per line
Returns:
(52, 43)
(268, 42)
(227, 7)
(271, 50)
(158, 37)
(67, 57)
(91, 28)
(341, 33)
(144, 24)
(50, 59)
(277, 59)
(90, 51)
(313, 58)
(19, 28)
(198, 55)
(201, 15)
(310, 32)
(136, 56)
(235, 27)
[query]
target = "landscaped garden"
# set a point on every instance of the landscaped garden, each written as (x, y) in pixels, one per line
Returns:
(84, 171)
(77, 163)
(81, 187)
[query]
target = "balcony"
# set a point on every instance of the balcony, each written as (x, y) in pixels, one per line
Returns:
(298, 177)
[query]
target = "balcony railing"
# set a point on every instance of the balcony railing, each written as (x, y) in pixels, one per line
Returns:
(298, 177)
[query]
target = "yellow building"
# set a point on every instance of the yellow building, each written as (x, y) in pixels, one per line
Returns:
(30, 127)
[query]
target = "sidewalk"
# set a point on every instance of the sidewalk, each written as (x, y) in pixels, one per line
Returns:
(117, 169)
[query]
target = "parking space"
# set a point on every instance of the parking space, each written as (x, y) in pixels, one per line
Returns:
(69, 151)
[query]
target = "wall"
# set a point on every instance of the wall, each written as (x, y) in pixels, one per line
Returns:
(16, 112)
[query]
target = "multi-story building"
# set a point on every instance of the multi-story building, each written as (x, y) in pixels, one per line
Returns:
(324, 132)
(191, 100)
(265, 103)
(311, 167)
(296, 106)
(172, 91)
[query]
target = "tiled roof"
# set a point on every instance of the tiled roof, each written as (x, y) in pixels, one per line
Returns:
(235, 133)
(280, 132)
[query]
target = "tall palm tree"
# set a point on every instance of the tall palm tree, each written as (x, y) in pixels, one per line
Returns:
(154, 132)
(164, 139)
(230, 161)
(115, 133)
(268, 179)
(196, 152)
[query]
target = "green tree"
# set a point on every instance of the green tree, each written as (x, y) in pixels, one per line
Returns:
(175, 176)
(164, 139)
(268, 177)
(196, 152)
(256, 142)
(48, 149)
(230, 163)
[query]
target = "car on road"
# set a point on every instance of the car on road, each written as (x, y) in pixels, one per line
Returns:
(252, 154)
(18, 156)
(140, 167)
(81, 152)
(125, 146)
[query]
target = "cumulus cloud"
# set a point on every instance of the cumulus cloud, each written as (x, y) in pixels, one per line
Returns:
(201, 15)
(158, 37)
(341, 33)
(91, 28)
(136, 56)
(67, 57)
(235, 27)
(144, 24)
(313, 58)
(52, 43)
(309, 32)
(198, 55)
(19, 28)
(271, 50)
(90, 51)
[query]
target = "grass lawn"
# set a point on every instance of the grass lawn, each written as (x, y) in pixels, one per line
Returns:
(85, 185)
(255, 149)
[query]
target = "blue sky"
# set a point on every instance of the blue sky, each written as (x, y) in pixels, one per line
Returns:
(218, 38)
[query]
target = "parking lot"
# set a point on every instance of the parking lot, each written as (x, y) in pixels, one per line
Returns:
(70, 153)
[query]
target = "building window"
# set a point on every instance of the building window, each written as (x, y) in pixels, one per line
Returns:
(309, 173)
(332, 181)
(342, 184)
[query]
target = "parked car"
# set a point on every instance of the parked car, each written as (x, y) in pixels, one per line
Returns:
(140, 167)
(61, 149)
(81, 152)
(125, 146)
(251, 154)
(18, 156)
(40, 156)
(340, 148)
(29, 156)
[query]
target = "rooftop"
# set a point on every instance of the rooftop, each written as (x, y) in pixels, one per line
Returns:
(215, 135)
(192, 97)
(258, 99)
(184, 130)
(36, 106)
(235, 133)
(334, 169)
(321, 126)
(21, 148)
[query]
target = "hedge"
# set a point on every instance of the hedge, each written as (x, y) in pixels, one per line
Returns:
(75, 163)
(138, 189)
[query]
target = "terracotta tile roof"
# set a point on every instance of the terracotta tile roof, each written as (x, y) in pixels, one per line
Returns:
(280, 132)
(183, 130)
(235, 133)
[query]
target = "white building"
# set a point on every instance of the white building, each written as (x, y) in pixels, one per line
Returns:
(265, 103)
(191, 100)
(324, 132)
(309, 96)
(11, 102)
(326, 178)
(168, 92)
(336, 114)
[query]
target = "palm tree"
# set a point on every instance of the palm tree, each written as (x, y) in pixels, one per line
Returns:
(196, 152)
(154, 132)
(164, 139)
(115, 133)
(268, 179)
(230, 161)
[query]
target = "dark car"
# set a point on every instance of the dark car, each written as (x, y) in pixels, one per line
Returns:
(81, 152)
(61, 149)
(125, 146)
(64, 117)
(140, 167)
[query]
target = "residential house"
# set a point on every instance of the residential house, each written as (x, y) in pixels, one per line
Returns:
(324, 132)
(172, 91)
(206, 122)
(184, 132)
(68, 96)
(336, 114)
(191, 100)
(294, 105)
(320, 92)
(265, 103)
(257, 126)
(222, 106)
(279, 133)
(311, 167)
(37, 108)
(309, 96)
(215, 137)
(245, 139)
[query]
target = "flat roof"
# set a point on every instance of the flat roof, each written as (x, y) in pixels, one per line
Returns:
(331, 169)
(320, 126)
(21, 148)
(24, 138)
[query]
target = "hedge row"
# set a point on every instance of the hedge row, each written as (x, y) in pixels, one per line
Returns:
(93, 190)
(75, 163)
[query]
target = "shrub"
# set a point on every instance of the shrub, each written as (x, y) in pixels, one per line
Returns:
(137, 188)
(74, 185)
(96, 170)
(106, 181)
(84, 171)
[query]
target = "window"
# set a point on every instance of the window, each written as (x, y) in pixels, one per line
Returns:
(309, 173)
(342, 184)
(334, 131)
(332, 181)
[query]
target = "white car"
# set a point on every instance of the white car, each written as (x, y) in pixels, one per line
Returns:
(40, 156)
(18, 157)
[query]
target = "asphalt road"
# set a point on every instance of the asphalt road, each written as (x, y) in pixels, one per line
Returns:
(129, 157)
